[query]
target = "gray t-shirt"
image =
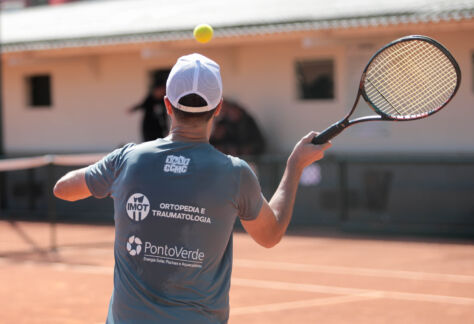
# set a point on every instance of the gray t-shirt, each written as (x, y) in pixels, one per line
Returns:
(175, 206)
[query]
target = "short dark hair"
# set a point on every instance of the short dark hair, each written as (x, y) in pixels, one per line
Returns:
(193, 100)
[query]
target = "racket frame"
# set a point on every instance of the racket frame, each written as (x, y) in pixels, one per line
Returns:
(339, 126)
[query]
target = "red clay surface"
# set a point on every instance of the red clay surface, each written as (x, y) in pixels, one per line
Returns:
(305, 279)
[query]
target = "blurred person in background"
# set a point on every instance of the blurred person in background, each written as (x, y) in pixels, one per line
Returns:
(155, 119)
(236, 132)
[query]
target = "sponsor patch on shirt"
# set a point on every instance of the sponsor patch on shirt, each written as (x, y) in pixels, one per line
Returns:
(138, 207)
(176, 164)
(164, 253)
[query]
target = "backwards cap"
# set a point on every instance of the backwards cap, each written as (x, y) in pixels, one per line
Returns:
(196, 74)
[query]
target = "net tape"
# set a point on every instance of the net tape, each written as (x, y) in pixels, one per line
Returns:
(410, 79)
(40, 161)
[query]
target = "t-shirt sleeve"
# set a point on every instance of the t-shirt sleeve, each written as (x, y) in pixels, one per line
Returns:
(250, 197)
(101, 175)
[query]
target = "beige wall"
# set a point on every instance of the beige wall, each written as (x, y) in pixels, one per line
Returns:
(92, 92)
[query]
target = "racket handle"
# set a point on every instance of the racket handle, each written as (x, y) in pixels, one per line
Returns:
(329, 133)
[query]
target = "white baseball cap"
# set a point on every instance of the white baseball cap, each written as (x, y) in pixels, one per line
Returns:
(196, 74)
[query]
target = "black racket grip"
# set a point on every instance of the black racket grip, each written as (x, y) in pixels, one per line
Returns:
(329, 133)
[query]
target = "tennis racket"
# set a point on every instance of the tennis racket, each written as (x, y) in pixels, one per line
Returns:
(410, 78)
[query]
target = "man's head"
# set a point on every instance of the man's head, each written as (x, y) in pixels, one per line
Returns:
(194, 89)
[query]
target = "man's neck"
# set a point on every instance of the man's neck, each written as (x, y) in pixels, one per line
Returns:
(188, 133)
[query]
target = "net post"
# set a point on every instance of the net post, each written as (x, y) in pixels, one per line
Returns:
(30, 173)
(3, 185)
(51, 204)
(3, 192)
(343, 191)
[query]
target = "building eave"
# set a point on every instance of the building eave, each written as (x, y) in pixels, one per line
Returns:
(237, 33)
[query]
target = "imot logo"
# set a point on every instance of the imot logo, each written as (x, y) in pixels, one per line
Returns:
(138, 207)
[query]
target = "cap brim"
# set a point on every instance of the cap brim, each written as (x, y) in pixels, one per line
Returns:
(194, 109)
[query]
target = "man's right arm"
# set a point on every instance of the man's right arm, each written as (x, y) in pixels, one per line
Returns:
(270, 225)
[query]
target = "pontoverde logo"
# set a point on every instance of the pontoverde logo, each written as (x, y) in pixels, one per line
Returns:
(169, 254)
(134, 245)
(138, 207)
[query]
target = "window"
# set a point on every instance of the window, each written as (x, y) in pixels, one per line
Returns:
(315, 79)
(39, 91)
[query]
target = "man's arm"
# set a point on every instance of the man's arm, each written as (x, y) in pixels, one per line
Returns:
(272, 221)
(72, 186)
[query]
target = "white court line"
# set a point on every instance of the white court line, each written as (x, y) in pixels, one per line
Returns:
(277, 307)
(279, 285)
(256, 264)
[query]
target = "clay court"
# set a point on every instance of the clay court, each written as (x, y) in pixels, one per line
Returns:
(311, 277)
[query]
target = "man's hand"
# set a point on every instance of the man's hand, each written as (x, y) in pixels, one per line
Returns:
(306, 153)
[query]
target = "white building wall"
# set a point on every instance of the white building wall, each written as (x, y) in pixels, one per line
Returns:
(286, 118)
(89, 97)
(449, 130)
(91, 94)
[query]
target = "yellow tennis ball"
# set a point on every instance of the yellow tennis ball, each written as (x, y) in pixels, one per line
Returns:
(203, 33)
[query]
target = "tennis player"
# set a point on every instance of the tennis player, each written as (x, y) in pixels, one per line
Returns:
(176, 200)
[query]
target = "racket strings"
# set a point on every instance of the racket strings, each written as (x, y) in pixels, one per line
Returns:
(434, 93)
(430, 73)
(395, 98)
(401, 96)
(410, 83)
(410, 79)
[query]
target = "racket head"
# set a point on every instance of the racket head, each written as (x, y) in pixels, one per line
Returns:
(410, 78)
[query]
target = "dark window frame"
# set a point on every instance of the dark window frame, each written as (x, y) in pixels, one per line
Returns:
(39, 90)
(319, 88)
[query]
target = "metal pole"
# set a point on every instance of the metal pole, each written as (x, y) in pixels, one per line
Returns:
(3, 187)
(1, 105)
(344, 193)
(51, 207)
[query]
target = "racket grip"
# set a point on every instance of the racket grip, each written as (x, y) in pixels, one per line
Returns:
(329, 133)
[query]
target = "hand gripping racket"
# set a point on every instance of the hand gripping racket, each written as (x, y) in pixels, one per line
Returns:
(410, 78)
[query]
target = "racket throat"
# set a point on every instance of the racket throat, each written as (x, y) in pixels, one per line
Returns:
(331, 132)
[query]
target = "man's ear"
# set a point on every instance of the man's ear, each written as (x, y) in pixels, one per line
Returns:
(168, 106)
(218, 109)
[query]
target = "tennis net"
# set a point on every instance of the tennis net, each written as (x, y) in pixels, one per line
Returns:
(26, 189)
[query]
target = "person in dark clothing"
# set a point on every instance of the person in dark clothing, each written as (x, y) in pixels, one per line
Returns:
(236, 132)
(155, 119)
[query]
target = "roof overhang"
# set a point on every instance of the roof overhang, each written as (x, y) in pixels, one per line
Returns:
(458, 17)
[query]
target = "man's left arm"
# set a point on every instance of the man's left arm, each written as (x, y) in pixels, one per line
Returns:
(72, 186)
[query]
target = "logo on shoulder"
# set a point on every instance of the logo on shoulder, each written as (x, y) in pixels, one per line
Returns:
(176, 164)
(134, 245)
(138, 207)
